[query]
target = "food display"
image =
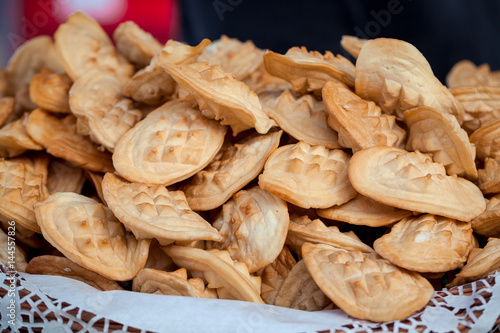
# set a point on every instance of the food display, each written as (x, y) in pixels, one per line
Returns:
(223, 171)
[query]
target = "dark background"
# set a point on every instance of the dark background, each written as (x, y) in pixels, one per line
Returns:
(445, 31)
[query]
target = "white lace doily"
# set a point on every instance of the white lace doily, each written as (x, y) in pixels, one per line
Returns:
(59, 305)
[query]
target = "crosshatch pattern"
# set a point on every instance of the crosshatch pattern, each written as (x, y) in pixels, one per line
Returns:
(91, 235)
(153, 211)
(21, 185)
(38, 310)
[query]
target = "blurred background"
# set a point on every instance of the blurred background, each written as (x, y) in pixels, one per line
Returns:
(21, 20)
(445, 31)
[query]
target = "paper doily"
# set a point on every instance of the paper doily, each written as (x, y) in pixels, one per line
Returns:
(473, 307)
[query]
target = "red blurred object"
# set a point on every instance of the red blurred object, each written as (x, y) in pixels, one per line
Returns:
(158, 17)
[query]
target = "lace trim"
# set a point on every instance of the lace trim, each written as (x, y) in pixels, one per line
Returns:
(473, 307)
